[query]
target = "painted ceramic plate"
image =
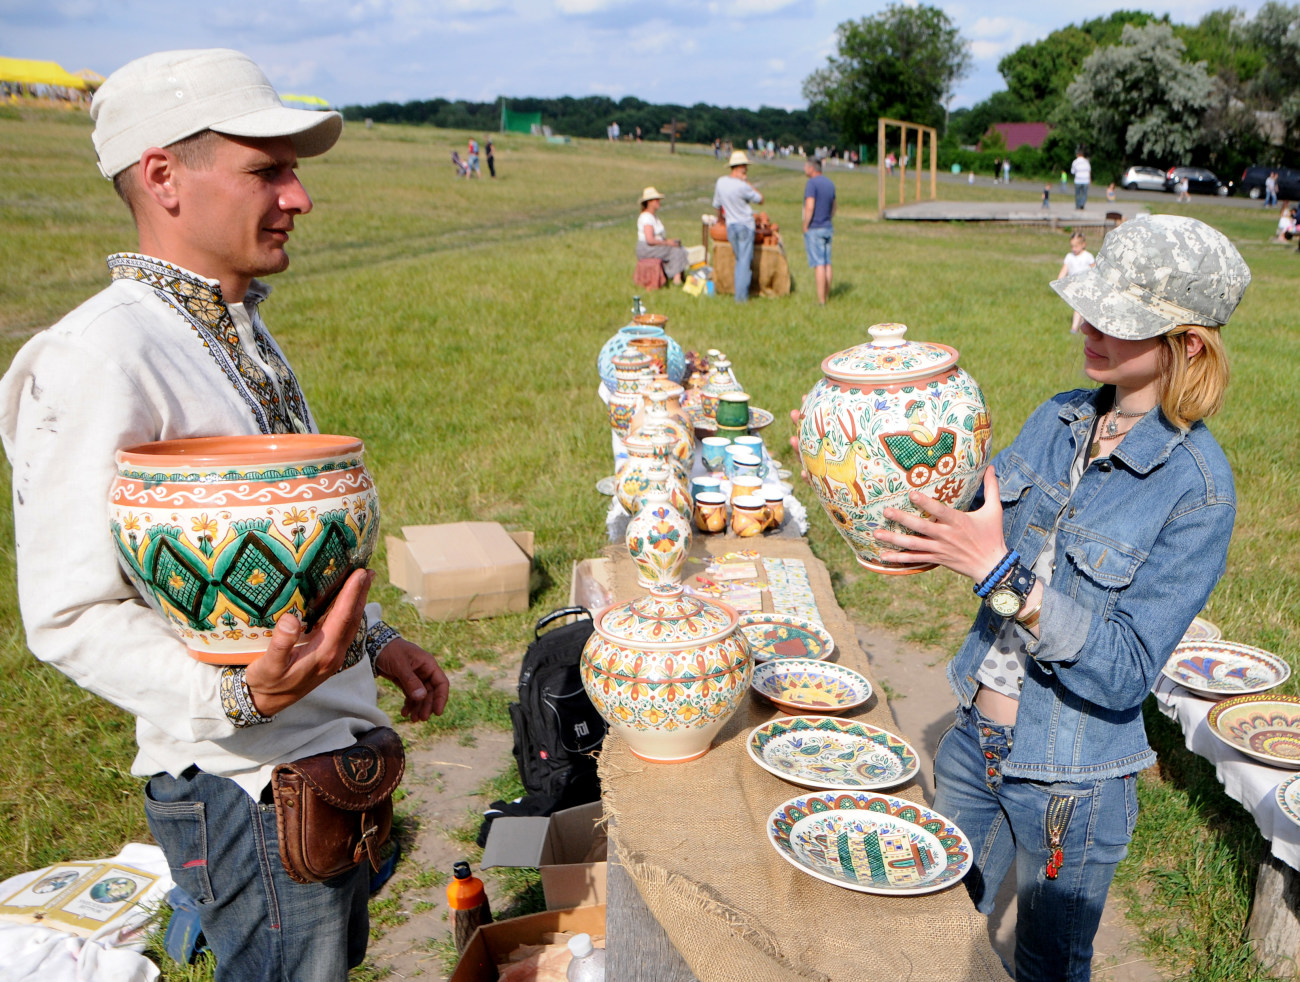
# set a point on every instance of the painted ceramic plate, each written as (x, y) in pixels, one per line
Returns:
(1261, 726)
(1202, 630)
(606, 485)
(785, 636)
(803, 685)
(758, 419)
(1219, 669)
(834, 754)
(865, 841)
(1288, 798)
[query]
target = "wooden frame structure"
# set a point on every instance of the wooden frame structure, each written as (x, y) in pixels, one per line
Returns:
(921, 132)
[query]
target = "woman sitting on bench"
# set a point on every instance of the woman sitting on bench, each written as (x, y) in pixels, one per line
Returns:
(650, 241)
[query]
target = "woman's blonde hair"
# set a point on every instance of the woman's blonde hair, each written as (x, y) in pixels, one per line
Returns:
(1192, 388)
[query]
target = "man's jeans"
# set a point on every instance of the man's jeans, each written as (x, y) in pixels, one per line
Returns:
(223, 851)
(741, 238)
(1013, 821)
(1080, 195)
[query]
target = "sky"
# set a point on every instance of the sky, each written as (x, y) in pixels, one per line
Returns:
(724, 52)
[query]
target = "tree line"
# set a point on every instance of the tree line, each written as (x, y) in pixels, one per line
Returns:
(591, 116)
(1130, 88)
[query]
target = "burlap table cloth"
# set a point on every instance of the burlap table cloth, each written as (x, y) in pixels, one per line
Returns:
(693, 839)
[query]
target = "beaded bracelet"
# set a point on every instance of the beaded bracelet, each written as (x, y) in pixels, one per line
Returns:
(1000, 570)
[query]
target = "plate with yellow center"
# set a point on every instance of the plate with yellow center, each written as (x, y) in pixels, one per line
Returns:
(807, 685)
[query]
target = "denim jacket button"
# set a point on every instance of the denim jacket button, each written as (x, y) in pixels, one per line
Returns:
(1104, 466)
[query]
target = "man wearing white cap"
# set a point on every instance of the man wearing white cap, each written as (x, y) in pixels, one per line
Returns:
(732, 196)
(199, 146)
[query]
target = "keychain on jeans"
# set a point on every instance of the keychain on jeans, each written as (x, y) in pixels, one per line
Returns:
(1059, 811)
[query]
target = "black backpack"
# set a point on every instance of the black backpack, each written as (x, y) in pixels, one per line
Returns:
(557, 729)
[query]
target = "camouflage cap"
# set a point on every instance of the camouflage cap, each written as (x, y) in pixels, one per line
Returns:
(1156, 272)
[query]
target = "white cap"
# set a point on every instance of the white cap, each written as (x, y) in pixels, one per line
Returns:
(161, 98)
(580, 945)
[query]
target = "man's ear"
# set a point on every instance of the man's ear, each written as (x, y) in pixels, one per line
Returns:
(159, 172)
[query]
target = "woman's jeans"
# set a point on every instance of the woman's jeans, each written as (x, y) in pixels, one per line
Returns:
(1077, 831)
(223, 851)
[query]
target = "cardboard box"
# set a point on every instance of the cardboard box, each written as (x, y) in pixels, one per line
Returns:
(462, 570)
(492, 943)
(569, 848)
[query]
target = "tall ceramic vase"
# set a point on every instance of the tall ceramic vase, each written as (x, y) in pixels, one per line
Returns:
(892, 416)
(667, 671)
(631, 371)
(658, 537)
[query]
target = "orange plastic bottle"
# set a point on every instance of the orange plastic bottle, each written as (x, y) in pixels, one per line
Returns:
(468, 902)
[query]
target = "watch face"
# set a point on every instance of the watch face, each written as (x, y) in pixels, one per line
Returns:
(1005, 602)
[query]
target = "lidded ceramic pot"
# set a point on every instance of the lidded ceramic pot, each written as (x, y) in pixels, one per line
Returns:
(667, 671)
(892, 416)
(224, 535)
(720, 380)
(632, 370)
(657, 538)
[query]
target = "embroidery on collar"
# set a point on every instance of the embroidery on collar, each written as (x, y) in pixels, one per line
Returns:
(201, 305)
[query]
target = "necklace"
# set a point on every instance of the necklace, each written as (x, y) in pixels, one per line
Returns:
(1110, 424)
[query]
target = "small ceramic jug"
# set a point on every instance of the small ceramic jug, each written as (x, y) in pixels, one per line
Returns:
(745, 484)
(774, 496)
(750, 515)
(657, 538)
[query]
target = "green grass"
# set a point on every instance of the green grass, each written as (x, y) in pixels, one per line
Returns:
(454, 326)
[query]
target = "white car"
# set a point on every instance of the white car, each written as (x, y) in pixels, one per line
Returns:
(1143, 179)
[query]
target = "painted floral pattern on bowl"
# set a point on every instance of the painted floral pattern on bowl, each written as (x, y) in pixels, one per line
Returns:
(1202, 630)
(802, 685)
(1266, 727)
(1218, 669)
(833, 754)
(951, 864)
(785, 636)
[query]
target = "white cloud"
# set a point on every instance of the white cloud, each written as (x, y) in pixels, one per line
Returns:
(776, 64)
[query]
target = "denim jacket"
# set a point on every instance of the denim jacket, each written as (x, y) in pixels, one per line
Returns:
(1139, 546)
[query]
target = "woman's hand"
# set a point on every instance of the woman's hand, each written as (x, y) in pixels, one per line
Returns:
(967, 542)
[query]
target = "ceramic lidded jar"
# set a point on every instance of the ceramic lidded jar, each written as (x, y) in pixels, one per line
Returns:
(667, 671)
(890, 417)
(631, 370)
(224, 535)
(657, 539)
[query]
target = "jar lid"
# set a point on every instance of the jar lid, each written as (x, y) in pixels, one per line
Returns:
(888, 357)
(666, 618)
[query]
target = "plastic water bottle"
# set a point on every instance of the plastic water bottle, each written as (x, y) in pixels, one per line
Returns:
(588, 963)
(469, 904)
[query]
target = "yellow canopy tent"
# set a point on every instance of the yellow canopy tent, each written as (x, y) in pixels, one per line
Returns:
(29, 72)
(310, 101)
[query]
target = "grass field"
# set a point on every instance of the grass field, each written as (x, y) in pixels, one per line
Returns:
(454, 326)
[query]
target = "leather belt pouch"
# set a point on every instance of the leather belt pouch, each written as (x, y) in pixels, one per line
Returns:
(334, 808)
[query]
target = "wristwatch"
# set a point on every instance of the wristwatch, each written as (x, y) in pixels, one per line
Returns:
(1007, 599)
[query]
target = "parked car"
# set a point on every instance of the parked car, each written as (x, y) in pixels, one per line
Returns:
(1143, 179)
(1199, 181)
(1288, 182)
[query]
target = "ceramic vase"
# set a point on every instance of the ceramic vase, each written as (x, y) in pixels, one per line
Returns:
(720, 380)
(631, 371)
(657, 538)
(618, 344)
(224, 535)
(646, 457)
(889, 417)
(657, 417)
(666, 672)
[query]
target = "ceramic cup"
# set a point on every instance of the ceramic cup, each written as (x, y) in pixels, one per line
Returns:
(774, 496)
(713, 450)
(705, 484)
(733, 409)
(749, 515)
(745, 465)
(744, 484)
(754, 443)
(711, 511)
(730, 454)
(731, 432)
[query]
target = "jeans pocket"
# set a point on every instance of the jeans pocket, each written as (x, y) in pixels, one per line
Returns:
(181, 829)
(1131, 802)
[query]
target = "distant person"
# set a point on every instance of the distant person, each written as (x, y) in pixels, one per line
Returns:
(1006, 170)
(614, 130)
(1082, 171)
(1270, 189)
(462, 168)
(1110, 191)
(650, 241)
(1285, 223)
(732, 196)
(997, 168)
(491, 158)
(1065, 177)
(717, 149)
(1078, 260)
(1047, 197)
(472, 160)
(890, 162)
(1184, 189)
(818, 210)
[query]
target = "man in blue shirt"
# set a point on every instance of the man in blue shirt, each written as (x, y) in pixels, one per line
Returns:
(732, 196)
(818, 210)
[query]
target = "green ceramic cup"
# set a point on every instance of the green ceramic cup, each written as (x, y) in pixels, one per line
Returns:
(733, 410)
(731, 432)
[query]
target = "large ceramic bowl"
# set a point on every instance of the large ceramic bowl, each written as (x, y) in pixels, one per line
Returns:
(1261, 726)
(907, 849)
(1219, 669)
(224, 535)
(666, 671)
(890, 417)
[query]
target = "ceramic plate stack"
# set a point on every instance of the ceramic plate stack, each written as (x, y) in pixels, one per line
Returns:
(1261, 726)
(835, 754)
(872, 843)
(1219, 669)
